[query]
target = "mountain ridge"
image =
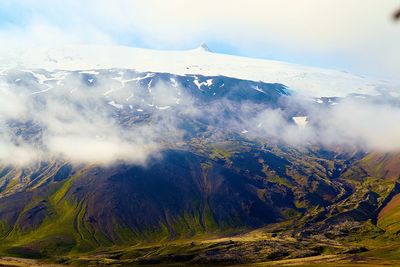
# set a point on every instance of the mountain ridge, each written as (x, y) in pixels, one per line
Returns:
(316, 82)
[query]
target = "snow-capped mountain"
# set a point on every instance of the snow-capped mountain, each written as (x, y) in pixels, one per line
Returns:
(114, 146)
(309, 81)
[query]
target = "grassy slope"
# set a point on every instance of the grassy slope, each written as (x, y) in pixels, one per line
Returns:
(389, 217)
(66, 231)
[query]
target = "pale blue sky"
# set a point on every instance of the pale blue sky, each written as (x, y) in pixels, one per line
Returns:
(352, 35)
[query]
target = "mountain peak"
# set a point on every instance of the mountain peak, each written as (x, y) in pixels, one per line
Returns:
(204, 47)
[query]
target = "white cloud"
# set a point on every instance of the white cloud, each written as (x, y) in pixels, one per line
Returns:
(351, 123)
(81, 127)
(77, 125)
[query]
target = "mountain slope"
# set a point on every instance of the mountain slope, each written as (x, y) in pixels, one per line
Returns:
(182, 196)
(105, 164)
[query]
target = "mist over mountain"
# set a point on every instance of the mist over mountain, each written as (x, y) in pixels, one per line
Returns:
(159, 157)
(122, 114)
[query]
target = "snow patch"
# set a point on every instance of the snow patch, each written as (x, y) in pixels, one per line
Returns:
(129, 97)
(118, 106)
(207, 83)
(174, 83)
(163, 108)
(258, 89)
(300, 121)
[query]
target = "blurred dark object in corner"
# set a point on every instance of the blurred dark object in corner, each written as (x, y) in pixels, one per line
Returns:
(396, 15)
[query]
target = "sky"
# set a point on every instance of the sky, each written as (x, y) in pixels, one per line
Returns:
(358, 36)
